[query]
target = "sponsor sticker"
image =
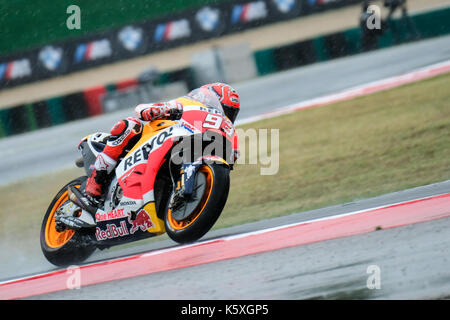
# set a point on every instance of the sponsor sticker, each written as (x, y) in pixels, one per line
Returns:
(142, 153)
(127, 203)
(110, 215)
(112, 231)
(142, 222)
(188, 126)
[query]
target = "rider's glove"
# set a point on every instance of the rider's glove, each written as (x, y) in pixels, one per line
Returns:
(175, 114)
(170, 110)
(153, 111)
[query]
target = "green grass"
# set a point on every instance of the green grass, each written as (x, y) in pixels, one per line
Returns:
(355, 149)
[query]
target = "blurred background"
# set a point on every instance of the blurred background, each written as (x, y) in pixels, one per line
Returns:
(67, 60)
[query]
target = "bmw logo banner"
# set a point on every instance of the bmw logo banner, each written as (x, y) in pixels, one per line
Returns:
(93, 50)
(172, 30)
(132, 40)
(51, 58)
(15, 69)
(285, 9)
(249, 12)
(208, 18)
(210, 21)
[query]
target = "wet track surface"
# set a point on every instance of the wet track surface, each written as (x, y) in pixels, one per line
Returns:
(413, 262)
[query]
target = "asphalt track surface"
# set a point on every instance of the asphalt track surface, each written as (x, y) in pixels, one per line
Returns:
(412, 259)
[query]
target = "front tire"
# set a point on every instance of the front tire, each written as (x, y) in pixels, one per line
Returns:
(216, 180)
(67, 247)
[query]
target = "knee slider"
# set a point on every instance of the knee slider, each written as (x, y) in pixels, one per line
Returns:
(119, 128)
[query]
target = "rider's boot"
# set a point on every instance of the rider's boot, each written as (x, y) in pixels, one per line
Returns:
(98, 180)
(95, 189)
(95, 185)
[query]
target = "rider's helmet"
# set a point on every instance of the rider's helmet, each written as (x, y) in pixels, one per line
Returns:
(228, 98)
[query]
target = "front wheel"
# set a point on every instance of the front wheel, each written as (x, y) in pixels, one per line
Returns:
(64, 247)
(199, 215)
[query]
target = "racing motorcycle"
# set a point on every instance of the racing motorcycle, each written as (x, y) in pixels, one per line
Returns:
(174, 180)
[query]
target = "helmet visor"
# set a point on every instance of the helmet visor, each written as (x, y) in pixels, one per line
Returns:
(206, 97)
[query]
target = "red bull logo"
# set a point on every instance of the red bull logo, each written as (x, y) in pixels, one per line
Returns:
(142, 222)
(112, 231)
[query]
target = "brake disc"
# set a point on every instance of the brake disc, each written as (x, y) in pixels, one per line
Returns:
(187, 206)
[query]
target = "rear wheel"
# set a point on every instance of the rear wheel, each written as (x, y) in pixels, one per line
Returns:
(63, 247)
(196, 217)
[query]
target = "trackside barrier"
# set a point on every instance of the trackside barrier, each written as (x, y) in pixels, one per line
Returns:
(78, 105)
(348, 42)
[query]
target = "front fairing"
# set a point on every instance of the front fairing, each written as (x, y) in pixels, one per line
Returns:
(202, 118)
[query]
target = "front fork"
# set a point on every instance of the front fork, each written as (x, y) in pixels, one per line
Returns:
(184, 187)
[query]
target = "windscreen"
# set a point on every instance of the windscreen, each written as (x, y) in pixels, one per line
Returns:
(207, 98)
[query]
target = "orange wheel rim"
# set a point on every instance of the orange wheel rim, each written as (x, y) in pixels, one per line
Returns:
(53, 238)
(183, 224)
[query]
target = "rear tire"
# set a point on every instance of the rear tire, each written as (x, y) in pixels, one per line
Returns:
(69, 246)
(205, 215)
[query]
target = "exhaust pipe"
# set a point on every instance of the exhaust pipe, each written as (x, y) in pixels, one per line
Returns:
(77, 197)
